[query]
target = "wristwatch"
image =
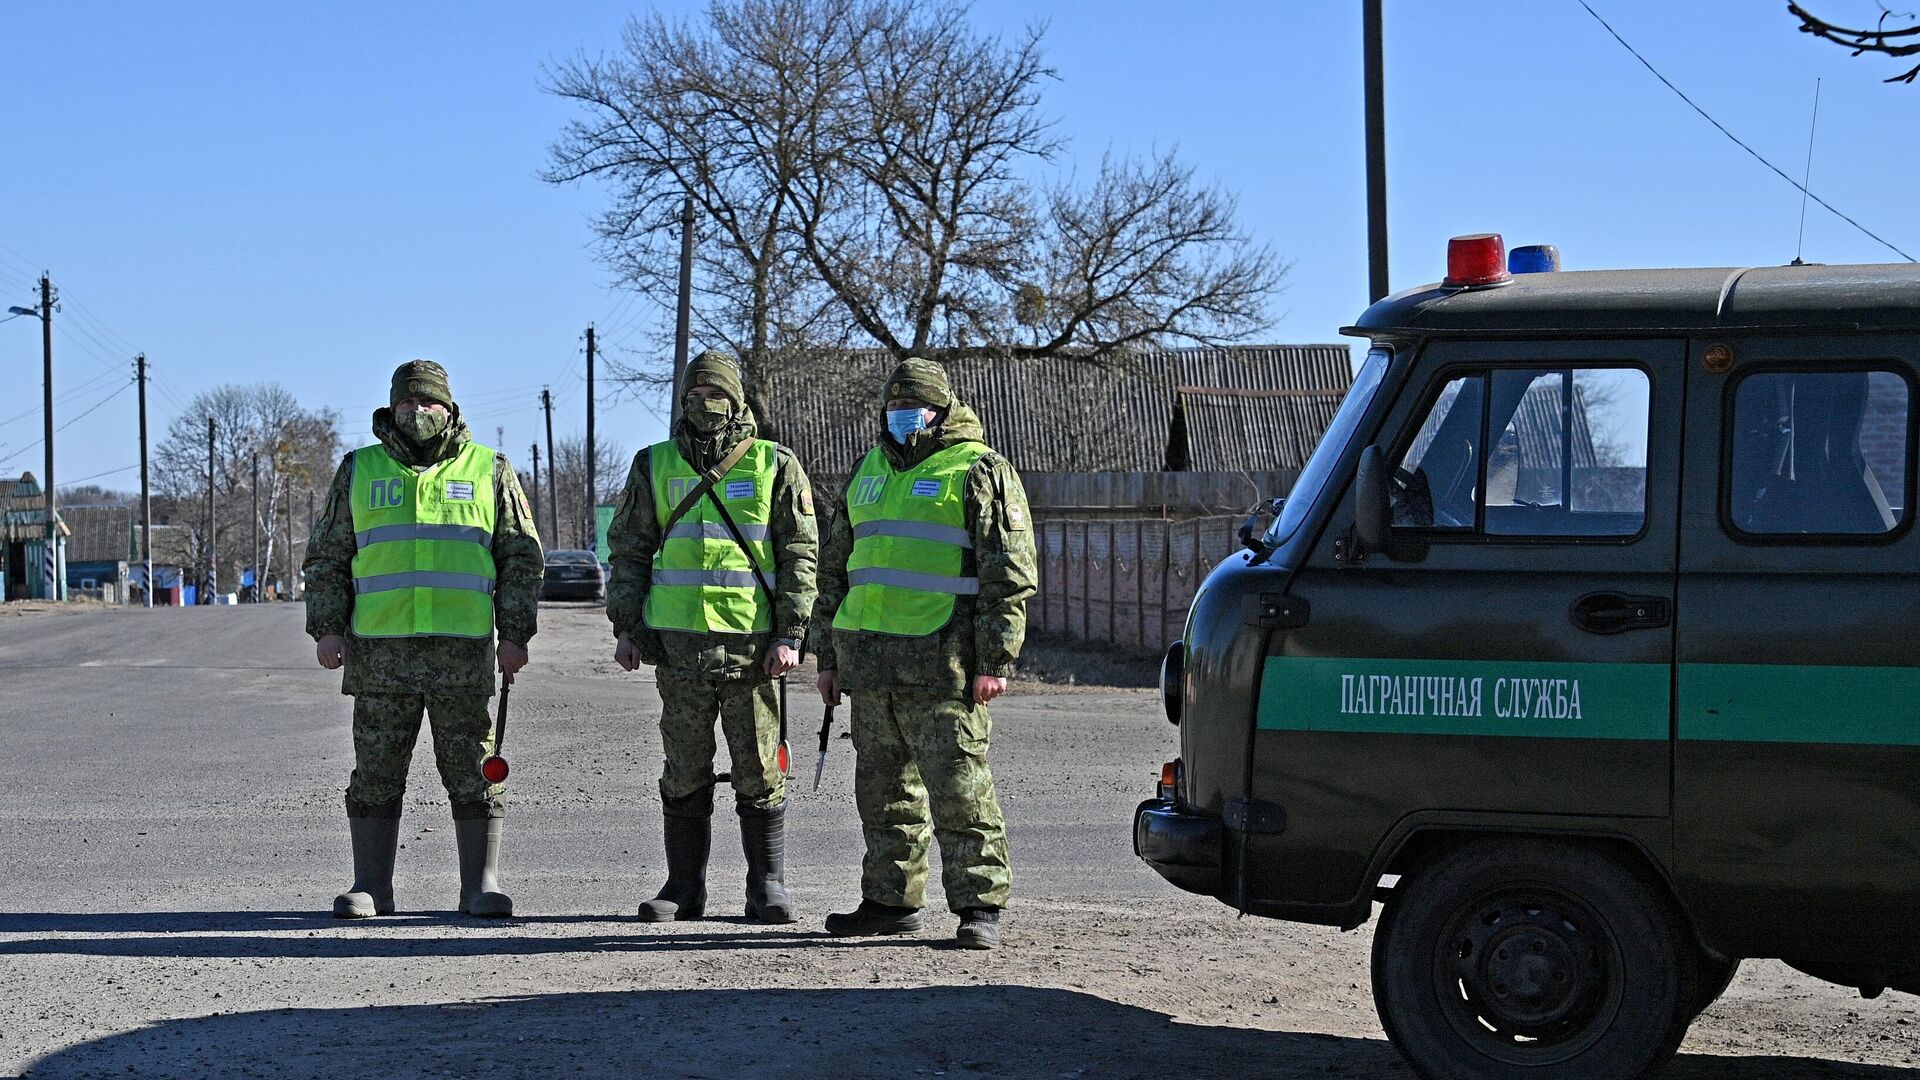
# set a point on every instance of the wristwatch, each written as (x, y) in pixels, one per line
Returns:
(790, 642)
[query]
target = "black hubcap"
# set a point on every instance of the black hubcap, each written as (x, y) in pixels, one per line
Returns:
(1529, 977)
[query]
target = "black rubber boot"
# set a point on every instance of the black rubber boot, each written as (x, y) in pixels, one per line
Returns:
(689, 834)
(478, 839)
(375, 840)
(763, 836)
(979, 929)
(871, 919)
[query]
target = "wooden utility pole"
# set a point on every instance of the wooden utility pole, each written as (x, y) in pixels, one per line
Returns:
(593, 498)
(51, 562)
(683, 309)
(213, 523)
(1376, 111)
(536, 491)
(553, 466)
(146, 492)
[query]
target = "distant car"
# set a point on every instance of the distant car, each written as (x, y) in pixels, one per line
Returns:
(573, 575)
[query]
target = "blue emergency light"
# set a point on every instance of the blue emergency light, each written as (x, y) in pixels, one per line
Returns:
(1533, 259)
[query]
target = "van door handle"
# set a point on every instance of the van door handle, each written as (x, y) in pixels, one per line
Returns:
(1612, 612)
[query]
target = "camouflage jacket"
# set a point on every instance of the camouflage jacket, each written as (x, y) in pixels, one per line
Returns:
(423, 664)
(634, 538)
(986, 632)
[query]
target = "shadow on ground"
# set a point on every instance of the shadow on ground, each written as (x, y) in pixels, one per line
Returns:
(997, 1031)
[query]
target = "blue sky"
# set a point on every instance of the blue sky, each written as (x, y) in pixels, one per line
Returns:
(311, 195)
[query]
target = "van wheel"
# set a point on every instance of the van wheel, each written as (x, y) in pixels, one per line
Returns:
(1524, 958)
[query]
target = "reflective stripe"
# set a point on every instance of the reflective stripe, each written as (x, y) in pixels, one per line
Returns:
(423, 579)
(908, 579)
(381, 534)
(914, 530)
(715, 530)
(725, 579)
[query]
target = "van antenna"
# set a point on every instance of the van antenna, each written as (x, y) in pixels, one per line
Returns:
(1800, 242)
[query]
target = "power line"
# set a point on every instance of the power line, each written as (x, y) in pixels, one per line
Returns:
(110, 472)
(95, 407)
(1736, 139)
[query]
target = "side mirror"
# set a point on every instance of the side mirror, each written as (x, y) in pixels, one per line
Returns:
(1372, 514)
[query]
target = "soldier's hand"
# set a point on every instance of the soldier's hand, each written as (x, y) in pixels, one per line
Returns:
(513, 657)
(829, 685)
(331, 651)
(782, 659)
(626, 653)
(987, 687)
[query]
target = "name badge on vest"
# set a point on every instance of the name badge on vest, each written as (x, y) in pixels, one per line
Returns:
(927, 489)
(460, 491)
(739, 489)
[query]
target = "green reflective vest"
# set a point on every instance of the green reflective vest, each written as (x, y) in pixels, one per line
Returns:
(910, 542)
(423, 564)
(702, 582)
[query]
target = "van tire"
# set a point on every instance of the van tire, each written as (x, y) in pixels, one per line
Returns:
(1523, 958)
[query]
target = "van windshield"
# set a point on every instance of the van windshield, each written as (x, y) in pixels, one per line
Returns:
(1306, 490)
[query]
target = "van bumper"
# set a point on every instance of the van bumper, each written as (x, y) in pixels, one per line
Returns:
(1187, 849)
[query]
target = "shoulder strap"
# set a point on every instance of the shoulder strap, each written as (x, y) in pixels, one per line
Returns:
(708, 478)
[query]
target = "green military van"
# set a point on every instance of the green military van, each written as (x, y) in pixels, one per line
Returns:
(1588, 644)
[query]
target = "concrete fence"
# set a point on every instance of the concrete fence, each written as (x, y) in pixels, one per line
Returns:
(1126, 582)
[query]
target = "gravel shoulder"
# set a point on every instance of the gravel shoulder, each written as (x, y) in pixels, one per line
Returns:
(175, 837)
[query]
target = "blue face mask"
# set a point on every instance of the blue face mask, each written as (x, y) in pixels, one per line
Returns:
(904, 422)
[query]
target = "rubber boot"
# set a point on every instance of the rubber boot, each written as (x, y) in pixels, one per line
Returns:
(871, 919)
(478, 839)
(689, 834)
(375, 840)
(763, 836)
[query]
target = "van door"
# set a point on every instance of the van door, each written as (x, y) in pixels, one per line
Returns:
(1797, 782)
(1518, 673)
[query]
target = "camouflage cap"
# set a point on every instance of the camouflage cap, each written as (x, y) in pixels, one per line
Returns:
(716, 369)
(421, 379)
(921, 380)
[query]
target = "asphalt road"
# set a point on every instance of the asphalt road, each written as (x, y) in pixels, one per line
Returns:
(174, 835)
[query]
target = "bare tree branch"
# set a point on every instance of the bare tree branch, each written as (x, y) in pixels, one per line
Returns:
(1878, 40)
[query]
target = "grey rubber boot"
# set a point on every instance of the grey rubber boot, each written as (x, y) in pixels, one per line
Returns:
(689, 834)
(478, 839)
(375, 840)
(763, 836)
(871, 919)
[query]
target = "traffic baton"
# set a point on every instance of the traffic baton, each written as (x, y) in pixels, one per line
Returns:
(820, 764)
(494, 767)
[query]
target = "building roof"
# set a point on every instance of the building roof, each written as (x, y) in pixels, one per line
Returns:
(1259, 408)
(1858, 298)
(101, 534)
(23, 510)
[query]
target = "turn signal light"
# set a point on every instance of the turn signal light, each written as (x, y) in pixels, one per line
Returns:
(1477, 260)
(1169, 778)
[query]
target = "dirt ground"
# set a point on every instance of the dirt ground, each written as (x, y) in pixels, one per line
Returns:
(174, 837)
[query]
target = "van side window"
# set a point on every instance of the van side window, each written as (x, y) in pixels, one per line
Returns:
(1530, 452)
(1818, 454)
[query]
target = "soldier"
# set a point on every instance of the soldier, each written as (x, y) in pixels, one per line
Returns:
(426, 545)
(925, 581)
(688, 598)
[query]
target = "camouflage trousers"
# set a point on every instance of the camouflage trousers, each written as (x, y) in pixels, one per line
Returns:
(917, 749)
(749, 711)
(385, 729)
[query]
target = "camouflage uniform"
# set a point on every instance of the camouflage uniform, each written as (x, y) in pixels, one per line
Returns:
(701, 675)
(393, 681)
(919, 738)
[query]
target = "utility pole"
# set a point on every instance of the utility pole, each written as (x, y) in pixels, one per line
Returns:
(253, 555)
(593, 498)
(286, 583)
(553, 466)
(1376, 111)
(500, 437)
(51, 562)
(536, 490)
(146, 492)
(683, 309)
(213, 523)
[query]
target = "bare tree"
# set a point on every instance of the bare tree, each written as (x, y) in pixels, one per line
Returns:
(297, 448)
(1902, 41)
(864, 172)
(566, 481)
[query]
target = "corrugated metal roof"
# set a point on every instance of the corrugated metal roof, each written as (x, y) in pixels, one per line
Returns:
(1260, 407)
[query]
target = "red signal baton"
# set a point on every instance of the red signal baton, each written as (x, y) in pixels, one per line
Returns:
(493, 766)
